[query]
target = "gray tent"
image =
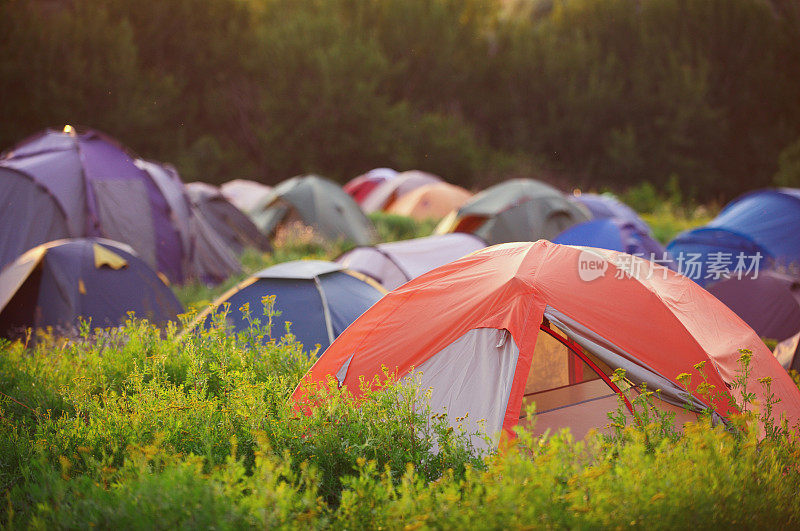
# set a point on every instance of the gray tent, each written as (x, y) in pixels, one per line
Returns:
(786, 352)
(318, 203)
(229, 222)
(245, 195)
(395, 263)
(29, 215)
(516, 210)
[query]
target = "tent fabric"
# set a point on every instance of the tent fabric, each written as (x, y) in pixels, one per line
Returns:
(244, 194)
(360, 187)
(395, 263)
(769, 302)
(657, 322)
(56, 283)
(320, 299)
(233, 226)
(768, 217)
(431, 201)
(299, 269)
(786, 353)
(171, 187)
(207, 255)
(515, 210)
(605, 206)
(760, 224)
(319, 203)
(386, 193)
(103, 191)
(615, 235)
(708, 254)
(29, 214)
(464, 365)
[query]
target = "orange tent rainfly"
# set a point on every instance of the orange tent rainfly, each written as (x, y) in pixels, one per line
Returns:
(547, 323)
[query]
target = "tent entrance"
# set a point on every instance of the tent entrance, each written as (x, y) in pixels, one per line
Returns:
(569, 387)
(572, 387)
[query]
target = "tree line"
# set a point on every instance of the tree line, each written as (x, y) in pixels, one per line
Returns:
(596, 93)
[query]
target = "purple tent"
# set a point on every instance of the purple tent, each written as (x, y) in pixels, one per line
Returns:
(97, 189)
(608, 207)
(615, 235)
(769, 302)
(393, 264)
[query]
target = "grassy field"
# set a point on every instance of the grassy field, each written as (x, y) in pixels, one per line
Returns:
(142, 428)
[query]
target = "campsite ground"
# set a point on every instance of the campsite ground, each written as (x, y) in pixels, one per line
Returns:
(135, 429)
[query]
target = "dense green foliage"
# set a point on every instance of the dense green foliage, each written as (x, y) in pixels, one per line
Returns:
(134, 428)
(590, 92)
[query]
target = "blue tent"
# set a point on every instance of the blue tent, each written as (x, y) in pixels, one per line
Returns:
(756, 231)
(55, 283)
(615, 235)
(604, 206)
(768, 217)
(319, 298)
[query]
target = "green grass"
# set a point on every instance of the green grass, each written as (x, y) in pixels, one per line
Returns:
(667, 221)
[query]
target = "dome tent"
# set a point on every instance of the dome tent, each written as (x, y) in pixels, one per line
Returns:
(386, 193)
(615, 235)
(760, 225)
(515, 210)
(319, 298)
(243, 194)
(318, 203)
(786, 352)
(769, 302)
(768, 217)
(431, 201)
(235, 228)
(360, 187)
(605, 206)
(103, 191)
(56, 283)
(29, 214)
(693, 249)
(395, 263)
(207, 255)
(525, 322)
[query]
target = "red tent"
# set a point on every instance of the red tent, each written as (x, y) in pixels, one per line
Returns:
(360, 187)
(549, 323)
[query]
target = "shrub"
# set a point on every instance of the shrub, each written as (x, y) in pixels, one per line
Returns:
(136, 427)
